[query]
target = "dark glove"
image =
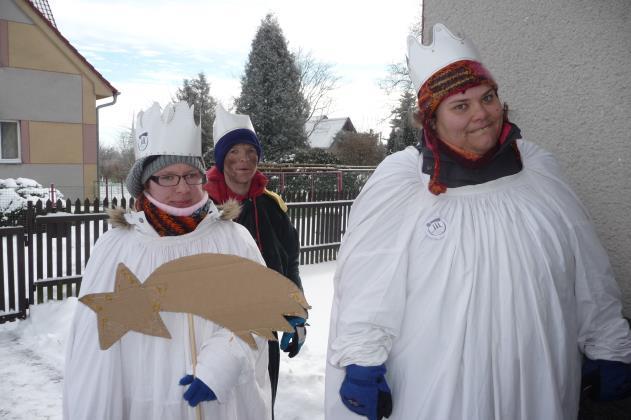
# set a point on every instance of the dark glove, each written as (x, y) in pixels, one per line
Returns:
(364, 391)
(293, 341)
(197, 392)
(606, 380)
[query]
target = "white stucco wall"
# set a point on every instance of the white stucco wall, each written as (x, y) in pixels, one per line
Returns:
(564, 67)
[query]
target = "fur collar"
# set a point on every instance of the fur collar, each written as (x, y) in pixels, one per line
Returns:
(230, 210)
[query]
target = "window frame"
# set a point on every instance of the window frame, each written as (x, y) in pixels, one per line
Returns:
(18, 159)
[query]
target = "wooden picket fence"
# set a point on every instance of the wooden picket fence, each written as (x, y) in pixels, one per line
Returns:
(44, 259)
(13, 291)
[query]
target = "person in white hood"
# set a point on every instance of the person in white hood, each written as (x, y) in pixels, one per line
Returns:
(470, 283)
(203, 370)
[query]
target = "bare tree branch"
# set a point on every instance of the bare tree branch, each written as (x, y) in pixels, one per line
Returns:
(317, 81)
(398, 77)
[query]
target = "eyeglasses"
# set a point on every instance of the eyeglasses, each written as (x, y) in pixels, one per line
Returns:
(194, 178)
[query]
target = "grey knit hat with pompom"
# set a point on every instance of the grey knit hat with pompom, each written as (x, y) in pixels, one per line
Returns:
(147, 166)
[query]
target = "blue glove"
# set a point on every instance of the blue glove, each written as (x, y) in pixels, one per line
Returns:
(606, 380)
(293, 341)
(197, 392)
(364, 391)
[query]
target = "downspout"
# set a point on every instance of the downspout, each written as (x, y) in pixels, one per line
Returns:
(98, 171)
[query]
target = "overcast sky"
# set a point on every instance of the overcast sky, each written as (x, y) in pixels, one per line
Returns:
(145, 48)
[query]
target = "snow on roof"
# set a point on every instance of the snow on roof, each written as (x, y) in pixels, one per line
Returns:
(325, 131)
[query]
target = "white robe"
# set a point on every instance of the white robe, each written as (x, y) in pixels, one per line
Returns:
(479, 300)
(137, 378)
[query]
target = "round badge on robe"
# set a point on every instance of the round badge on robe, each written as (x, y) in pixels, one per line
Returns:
(436, 228)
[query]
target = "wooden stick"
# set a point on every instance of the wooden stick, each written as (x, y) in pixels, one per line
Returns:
(191, 335)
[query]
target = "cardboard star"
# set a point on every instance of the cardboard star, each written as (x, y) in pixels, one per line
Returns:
(231, 291)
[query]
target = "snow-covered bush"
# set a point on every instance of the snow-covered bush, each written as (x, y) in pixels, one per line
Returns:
(16, 193)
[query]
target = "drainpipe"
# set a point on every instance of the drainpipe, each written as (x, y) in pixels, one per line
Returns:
(98, 172)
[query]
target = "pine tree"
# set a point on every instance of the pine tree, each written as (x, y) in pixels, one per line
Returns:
(196, 92)
(403, 133)
(271, 95)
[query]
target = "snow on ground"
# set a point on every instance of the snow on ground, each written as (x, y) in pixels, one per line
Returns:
(32, 358)
(301, 382)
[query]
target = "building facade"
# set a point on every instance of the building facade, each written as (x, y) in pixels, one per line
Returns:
(48, 94)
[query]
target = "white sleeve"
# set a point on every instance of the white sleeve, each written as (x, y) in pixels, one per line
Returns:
(370, 303)
(226, 361)
(371, 278)
(603, 332)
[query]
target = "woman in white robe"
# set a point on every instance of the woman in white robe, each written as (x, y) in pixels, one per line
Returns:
(142, 376)
(470, 272)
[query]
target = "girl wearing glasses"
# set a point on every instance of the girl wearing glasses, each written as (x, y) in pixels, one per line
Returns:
(203, 371)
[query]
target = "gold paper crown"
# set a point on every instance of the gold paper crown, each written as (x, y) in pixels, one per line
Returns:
(169, 132)
(446, 48)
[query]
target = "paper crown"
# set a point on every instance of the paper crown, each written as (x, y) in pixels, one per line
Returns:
(425, 60)
(169, 132)
(226, 122)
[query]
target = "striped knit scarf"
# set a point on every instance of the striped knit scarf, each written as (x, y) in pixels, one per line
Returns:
(168, 225)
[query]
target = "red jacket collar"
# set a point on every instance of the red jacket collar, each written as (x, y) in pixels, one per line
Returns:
(219, 191)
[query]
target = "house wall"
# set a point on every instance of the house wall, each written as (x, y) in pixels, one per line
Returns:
(9, 11)
(88, 102)
(65, 177)
(565, 70)
(41, 95)
(4, 43)
(30, 48)
(56, 142)
(55, 100)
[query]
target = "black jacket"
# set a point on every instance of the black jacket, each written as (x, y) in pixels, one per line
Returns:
(276, 237)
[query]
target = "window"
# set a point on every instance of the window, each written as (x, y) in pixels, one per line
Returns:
(9, 141)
